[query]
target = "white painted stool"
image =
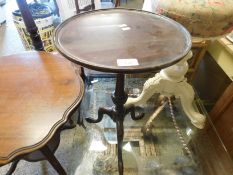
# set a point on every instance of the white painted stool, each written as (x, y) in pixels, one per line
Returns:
(203, 19)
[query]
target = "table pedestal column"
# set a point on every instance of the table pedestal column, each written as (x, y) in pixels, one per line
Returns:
(171, 82)
(119, 98)
(117, 113)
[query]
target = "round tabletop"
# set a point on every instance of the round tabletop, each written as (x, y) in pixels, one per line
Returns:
(122, 40)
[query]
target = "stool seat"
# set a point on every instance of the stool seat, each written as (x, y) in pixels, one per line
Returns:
(38, 92)
(202, 18)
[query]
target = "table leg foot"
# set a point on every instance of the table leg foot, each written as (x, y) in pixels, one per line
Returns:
(186, 99)
(101, 112)
(131, 110)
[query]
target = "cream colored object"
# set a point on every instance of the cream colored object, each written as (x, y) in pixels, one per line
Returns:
(202, 18)
(169, 82)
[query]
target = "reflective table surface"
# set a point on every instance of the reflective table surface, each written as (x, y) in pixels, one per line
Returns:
(159, 151)
(103, 39)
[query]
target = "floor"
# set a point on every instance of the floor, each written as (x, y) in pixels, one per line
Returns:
(10, 42)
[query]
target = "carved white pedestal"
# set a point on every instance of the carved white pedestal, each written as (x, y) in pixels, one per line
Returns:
(169, 82)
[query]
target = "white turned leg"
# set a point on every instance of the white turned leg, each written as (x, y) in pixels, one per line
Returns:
(186, 95)
(169, 82)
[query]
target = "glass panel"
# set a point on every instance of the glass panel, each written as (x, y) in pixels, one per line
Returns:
(168, 147)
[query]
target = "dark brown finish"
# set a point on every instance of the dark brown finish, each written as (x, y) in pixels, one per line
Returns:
(117, 3)
(97, 39)
(13, 167)
(52, 160)
(222, 116)
(30, 25)
(210, 81)
(117, 113)
(38, 91)
(223, 103)
(119, 98)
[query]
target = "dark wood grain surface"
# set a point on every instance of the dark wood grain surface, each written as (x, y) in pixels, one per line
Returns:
(97, 39)
(37, 92)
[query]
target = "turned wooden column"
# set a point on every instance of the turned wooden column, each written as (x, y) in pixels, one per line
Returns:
(30, 25)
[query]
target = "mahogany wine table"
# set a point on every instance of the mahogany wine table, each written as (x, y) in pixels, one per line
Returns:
(123, 42)
(39, 92)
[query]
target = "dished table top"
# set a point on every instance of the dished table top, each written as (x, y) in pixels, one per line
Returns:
(122, 41)
(37, 93)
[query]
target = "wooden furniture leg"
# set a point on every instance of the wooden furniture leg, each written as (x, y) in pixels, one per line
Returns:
(30, 25)
(52, 160)
(13, 167)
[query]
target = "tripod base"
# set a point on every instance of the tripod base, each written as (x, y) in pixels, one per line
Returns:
(117, 113)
